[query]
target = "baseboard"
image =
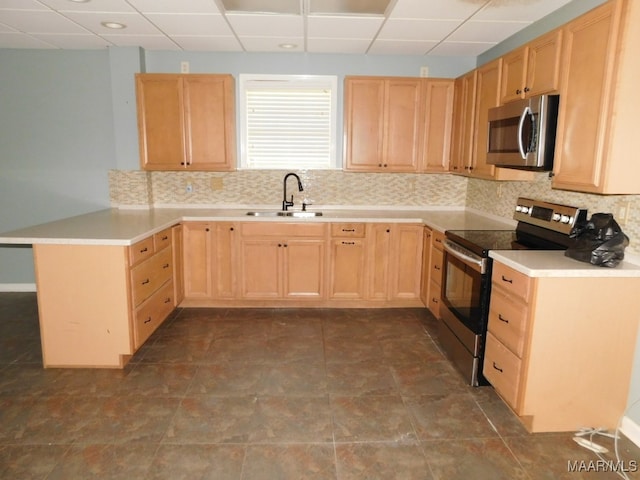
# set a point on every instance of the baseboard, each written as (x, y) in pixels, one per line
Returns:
(17, 287)
(631, 430)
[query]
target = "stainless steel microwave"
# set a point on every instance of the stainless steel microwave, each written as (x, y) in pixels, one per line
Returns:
(522, 134)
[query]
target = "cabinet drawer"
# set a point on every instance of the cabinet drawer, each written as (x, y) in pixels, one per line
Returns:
(436, 265)
(508, 320)
(503, 369)
(152, 313)
(147, 277)
(514, 283)
(141, 250)
(162, 239)
(434, 298)
(348, 230)
(437, 239)
(283, 229)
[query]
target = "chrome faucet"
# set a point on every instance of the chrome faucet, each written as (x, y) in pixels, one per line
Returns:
(286, 203)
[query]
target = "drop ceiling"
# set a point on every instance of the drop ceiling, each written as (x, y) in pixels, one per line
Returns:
(386, 27)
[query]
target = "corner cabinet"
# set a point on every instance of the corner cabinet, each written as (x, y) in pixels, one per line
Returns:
(558, 352)
(98, 304)
(397, 124)
(186, 122)
(597, 135)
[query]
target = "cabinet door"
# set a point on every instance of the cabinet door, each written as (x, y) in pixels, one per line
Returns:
(514, 72)
(488, 96)
(401, 125)
(178, 267)
(303, 265)
(378, 244)
(406, 261)
(426, 265)
(348, 257)
(437, 114)
(210, 122)
(588, 57)
(462, 137)
(197, 259)
(543, 64)
(225, 261)
(364, 123)
(261, 272)
(160, 121)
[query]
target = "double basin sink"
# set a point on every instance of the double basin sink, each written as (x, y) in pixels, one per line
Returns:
(285, 213)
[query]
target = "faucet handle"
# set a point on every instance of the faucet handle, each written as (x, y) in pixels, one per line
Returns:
(305, 204)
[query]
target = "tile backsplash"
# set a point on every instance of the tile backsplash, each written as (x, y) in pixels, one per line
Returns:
(335, 187)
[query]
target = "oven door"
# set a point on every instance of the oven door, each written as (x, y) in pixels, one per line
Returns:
(465, 286)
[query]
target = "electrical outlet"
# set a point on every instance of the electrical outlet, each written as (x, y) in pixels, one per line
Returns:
(189, 188)
(622, 212)
(424, 72)
(216, 183)
(184, 67)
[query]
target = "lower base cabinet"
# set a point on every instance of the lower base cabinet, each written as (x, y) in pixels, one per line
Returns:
(560, 350)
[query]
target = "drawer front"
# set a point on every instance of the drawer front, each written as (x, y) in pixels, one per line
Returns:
(434, 298)
(355, 230)
(438, 239)
(436, 265)
(141, 250)
(147, 277)
(508, 320)
(152, 313)
(162, 239)
(514, 283)
(503, 369)
(274, 229)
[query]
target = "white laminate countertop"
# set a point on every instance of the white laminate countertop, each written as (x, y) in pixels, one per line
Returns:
(544, 263)
(128, 226)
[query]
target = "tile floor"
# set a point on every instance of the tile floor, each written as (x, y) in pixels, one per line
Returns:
(267, 394)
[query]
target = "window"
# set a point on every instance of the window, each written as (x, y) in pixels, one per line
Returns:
(288, 121)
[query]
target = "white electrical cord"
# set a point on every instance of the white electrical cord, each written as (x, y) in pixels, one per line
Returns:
(580, 439)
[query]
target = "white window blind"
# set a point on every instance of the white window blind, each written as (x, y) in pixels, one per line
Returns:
(288, 122)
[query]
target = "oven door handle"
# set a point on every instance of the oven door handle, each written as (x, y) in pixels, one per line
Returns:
(477, 263)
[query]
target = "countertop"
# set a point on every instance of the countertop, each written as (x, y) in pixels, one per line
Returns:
(128, 226)
(544, 263)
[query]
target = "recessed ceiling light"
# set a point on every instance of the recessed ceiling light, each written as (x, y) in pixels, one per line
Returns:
(80, 1)
(288, 46)
(113, 25)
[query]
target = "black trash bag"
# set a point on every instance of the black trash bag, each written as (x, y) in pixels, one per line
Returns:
(599, 241)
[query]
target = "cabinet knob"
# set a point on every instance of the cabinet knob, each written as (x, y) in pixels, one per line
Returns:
(166, 265)
(144, 250)
(206, 229)
(385, 165)
(147, 320)
(144, 282)
(505, 279)
(502, 319)
(518, 92)
(379, 164)
(231, 229)
(167, 300)
(497, 368)
(388, 230)
(182, 163)
(526, 89)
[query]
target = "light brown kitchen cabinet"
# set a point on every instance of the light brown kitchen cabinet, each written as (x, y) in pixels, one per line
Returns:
(209, 260)
(186, 122)
(382, 124)
(434, 273)
(551, 339)
(347, 261)
(597, 134)
(282, 261)
(533, 69)
(426, 262)
(394, 261)
(437, 115)
(178, 270)
(463, 114)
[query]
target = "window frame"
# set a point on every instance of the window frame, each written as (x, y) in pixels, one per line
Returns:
(247, 81)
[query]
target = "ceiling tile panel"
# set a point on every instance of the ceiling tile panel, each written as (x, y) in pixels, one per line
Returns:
(409, 29)
(516, 11)
(92, 6)
(272, 44)
(267, 25)
(149, 42)
(401, 47)
(338, 45)
(39, 22)
(21, 40)
(204, 43)
(467, 49)
(72, 42)
(343, 27)
(495, 32)
(436, 9)
(190, 24)
(175, 6)
(135, 23)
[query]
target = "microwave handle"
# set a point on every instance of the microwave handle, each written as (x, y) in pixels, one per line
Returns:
(525, 113)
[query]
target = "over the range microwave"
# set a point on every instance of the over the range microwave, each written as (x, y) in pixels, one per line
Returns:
(522, 134)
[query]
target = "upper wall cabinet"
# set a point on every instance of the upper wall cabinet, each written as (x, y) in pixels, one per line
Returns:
(397, 124)
(596, 147)
(186, 122)
(533, 69)
(382, 120)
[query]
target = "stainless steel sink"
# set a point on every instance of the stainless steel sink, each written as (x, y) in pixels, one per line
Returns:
(282, 213)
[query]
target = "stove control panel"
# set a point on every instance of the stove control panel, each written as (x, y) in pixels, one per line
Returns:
(561, 218)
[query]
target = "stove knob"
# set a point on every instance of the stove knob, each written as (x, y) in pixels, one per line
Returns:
(518, 208)
(556, 217)
(565, 219)
(525, 210)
